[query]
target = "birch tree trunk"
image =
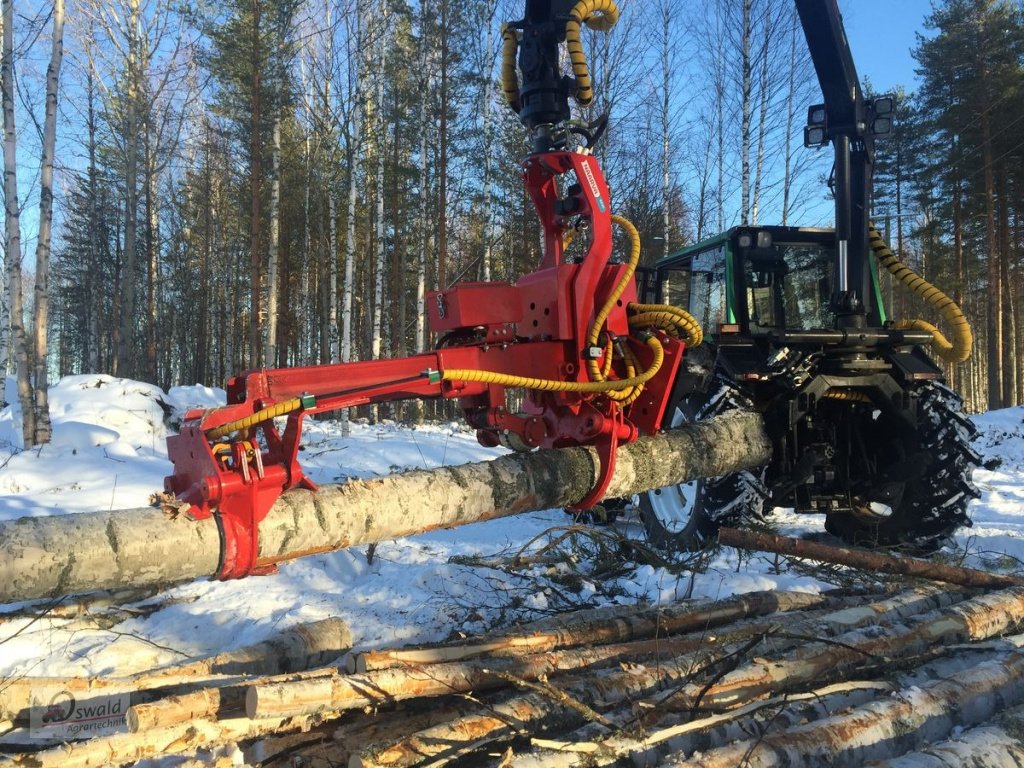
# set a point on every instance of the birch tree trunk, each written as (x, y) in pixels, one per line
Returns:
(423, 255)
(51, 556)
(42, 406)
(126, 338)
(767, 43)
(378, 132)
(273, 252)
(354, 140)
(19, 342)
(333, 336)
(746, 75)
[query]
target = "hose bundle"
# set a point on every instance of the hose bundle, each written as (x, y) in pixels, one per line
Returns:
(955, 351)
(599, 15)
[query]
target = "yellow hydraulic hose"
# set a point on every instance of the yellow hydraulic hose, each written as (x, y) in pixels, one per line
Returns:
(599, 15)
(631, 264)
(509, 78)
(618, 389)
(654, 313)
(955, 351)
(281, 409)
(550, 385)
(583, 13)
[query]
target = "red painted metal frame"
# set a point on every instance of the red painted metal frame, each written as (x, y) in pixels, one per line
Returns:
(536, 328)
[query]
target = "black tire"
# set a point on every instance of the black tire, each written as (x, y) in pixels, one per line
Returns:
(688, 516)
(939, 488)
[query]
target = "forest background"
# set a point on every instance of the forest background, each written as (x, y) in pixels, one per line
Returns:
(214, 186)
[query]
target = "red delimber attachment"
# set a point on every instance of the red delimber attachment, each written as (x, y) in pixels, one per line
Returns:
(536, 328)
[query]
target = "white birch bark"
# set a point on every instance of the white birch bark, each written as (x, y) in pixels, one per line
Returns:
(354, 136)
(378, 151)
(746, 76)
(19, 342)
(767, 43)
(270, 344)
(41, 405)
(326, 143)
(126, 339)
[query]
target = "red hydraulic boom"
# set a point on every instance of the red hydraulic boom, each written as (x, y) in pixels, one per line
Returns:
(597, 366)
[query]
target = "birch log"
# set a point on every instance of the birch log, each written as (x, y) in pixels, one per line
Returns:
(49, 556)
(882, 729)
(302, 647)
(630, 623)
(605, 689)
(976, 619)
(338, 692)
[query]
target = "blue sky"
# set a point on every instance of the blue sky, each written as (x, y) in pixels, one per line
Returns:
(881, 35)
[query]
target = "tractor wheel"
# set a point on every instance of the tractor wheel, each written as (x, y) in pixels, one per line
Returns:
(935, 464)
(688, 515)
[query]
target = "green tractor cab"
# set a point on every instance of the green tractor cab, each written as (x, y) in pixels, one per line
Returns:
(864, 430)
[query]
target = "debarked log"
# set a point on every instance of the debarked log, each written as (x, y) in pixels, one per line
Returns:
(51, 556)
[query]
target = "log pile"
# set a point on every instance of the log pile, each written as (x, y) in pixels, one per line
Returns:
(762, 679)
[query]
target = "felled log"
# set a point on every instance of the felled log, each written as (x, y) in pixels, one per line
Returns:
(283, 695)
(979, 747)
(979, 618)
(334, 741)
(339, 692)
(124, 748)
(600, 690)
(876, 562)
(882, 729)
(581, 751)
(49, 556)
(301, 647)
(633, 623)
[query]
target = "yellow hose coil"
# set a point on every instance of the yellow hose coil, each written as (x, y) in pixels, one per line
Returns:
(509, 78)
(593, 336)
(955, 351)
(583, 13)
(266, 414)
(648, 313)
(549, 385)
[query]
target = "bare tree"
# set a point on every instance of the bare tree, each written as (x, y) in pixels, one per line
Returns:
(12, 218)
(42, 408)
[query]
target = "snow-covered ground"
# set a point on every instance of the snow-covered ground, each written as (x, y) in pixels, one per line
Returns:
(108, 452)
